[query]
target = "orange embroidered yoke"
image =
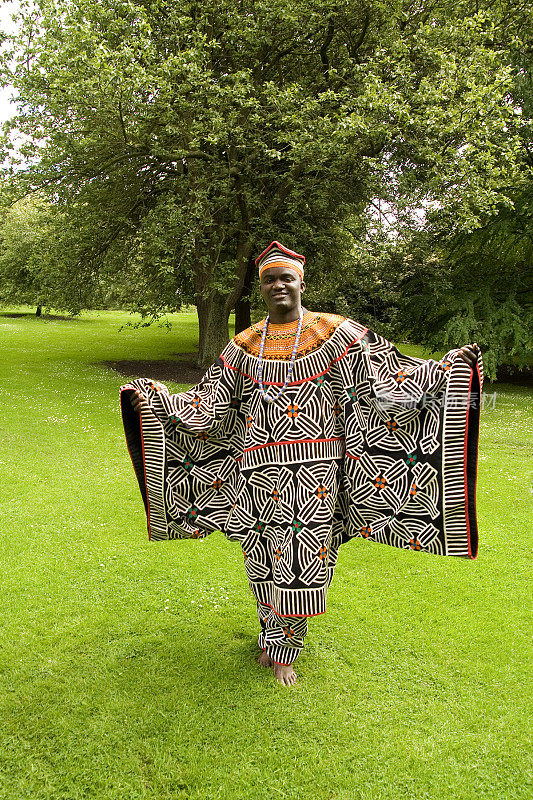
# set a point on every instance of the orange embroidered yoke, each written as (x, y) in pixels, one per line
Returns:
(317, 328)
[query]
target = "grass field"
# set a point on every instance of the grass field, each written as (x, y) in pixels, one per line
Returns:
(127, 668)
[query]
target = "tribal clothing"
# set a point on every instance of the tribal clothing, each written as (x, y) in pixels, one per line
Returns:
(276, 255)
(281, 637)
(364, 442)
(317, 329)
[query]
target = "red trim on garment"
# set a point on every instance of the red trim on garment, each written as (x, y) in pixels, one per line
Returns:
(355, 458)
(304, 380)
(293, 441)
(477, 453)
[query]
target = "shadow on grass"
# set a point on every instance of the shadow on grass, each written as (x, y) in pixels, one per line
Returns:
(182, 370)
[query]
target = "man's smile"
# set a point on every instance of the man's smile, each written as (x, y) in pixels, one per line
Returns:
(281, 288)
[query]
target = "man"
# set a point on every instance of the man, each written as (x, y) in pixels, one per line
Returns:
(307, 431)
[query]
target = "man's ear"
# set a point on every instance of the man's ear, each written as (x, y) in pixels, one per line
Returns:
(302, 287)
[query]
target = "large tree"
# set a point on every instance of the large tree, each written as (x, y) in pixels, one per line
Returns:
(179, 139)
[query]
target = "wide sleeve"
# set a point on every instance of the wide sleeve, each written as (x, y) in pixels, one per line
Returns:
(411, 449)
(182, 452)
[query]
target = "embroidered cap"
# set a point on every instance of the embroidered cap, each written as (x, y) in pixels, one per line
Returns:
(276, 255)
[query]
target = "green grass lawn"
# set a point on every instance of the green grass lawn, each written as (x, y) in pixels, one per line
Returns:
(127, 667)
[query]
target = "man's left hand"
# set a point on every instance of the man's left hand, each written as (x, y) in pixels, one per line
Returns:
(469, 354)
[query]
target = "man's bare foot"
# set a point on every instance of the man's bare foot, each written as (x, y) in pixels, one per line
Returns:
(285, 674)
(264, 660)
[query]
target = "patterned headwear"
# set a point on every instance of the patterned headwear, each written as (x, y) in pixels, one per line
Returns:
(276, 255)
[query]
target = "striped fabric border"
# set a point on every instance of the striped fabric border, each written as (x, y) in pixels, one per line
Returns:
(283, 654)
(149, 464)
(293, 452)
(293, 602)
(459, 461)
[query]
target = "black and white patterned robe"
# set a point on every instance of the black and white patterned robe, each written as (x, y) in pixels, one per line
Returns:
(364, 442)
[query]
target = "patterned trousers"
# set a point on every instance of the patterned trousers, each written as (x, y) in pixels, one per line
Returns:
(281, 637)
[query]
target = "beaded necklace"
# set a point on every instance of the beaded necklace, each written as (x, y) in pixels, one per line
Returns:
(271, 398)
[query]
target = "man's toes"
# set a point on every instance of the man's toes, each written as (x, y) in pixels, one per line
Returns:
(285, 674)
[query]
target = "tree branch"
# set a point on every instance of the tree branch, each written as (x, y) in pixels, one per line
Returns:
(282, 193)
(324, 49)
(188, 155)
(353, 50)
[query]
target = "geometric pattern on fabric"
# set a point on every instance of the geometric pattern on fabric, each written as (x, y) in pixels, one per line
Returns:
(281, 637)
(364, 442)
(279, 342)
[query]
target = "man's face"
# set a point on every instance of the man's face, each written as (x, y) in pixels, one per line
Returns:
(281, 288)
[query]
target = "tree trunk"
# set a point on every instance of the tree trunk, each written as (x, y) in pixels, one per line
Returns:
(213, 317)
(39, 311)
(243, 315)
(243, 306)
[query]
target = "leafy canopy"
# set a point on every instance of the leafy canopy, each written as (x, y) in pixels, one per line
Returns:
(178, 139)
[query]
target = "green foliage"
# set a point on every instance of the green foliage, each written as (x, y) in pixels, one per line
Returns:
(459, 267)
(40, 265)
(471, 279)
(178, 140)
(476, 287)
(367, 286)
(24, 231)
